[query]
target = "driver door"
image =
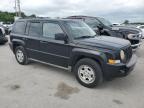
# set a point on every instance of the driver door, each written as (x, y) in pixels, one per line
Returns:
(53, 51)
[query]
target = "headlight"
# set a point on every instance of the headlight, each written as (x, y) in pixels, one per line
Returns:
(141, 35)
(122, 55)
(131, 36)
(134, 36)
(116, 61)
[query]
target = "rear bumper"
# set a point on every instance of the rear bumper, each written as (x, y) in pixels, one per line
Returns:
(120, 70)
(3, 39)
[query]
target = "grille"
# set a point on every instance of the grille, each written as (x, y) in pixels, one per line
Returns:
(128, 53)
(133, 42)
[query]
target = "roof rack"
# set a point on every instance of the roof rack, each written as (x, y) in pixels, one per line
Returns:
(35, 18)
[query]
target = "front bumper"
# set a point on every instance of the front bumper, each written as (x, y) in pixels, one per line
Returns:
(120, 70)
(135, 46)
(3, 39)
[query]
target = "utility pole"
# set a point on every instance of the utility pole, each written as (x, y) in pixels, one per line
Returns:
(17, 8)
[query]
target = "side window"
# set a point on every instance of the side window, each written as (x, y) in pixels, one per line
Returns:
(19, 27)
(35, 29)
(92, 22)
(50, 29)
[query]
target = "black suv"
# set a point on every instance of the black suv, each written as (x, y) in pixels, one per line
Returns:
(103, 27)
(3, 39)
(72, 45)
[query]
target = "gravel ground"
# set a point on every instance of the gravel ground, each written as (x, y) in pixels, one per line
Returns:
(41, 86)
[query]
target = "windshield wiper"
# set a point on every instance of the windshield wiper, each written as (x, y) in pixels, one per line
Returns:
(84, 37)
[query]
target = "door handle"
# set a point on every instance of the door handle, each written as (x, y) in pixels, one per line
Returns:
(43, 42)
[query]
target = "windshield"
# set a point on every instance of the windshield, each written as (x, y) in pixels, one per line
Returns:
(78, 29)
(105, 22)
(92, 22)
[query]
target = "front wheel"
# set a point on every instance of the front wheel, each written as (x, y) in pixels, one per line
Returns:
(88, 72)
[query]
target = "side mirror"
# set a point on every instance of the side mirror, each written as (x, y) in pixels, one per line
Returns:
(61, 36)
(100, 27)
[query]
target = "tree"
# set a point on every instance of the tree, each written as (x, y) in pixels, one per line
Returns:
(126, 22)
(9, 16)
(6, 16)
(32, 16)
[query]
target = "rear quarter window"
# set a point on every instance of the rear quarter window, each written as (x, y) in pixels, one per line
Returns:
(19, 27)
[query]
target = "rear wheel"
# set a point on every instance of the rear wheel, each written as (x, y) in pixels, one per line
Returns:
(3, 43)
(21, 55)
(88, 72)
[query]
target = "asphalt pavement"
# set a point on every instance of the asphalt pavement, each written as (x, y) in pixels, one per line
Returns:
(41, 86)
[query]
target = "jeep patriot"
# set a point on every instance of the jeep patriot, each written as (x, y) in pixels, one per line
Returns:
(73, 45)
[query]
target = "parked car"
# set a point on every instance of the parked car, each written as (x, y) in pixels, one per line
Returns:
(3, 39)
(7, 27)
(116, 24)
(103, 27)
(72, 45)
(142, 28)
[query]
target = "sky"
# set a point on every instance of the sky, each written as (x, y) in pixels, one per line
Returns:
(114, 10)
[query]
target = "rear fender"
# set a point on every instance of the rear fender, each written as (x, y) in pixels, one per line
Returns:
(17, 42)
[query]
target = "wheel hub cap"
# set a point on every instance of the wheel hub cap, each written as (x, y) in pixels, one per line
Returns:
(86, 74)
(20, 56)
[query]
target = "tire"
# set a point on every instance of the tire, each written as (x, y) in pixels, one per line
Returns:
(21, 55)
(3, 43)
(88, 72)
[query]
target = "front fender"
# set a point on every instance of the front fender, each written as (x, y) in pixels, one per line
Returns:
(78, 53)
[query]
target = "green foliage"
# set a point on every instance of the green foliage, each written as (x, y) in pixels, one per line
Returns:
(32, 16)
(138, 23)
(9, 16)
(6, 16)
(126, 22)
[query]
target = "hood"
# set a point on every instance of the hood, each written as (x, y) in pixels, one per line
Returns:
(106, 42)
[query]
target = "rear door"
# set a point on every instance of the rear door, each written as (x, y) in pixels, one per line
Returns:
(34, 32)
